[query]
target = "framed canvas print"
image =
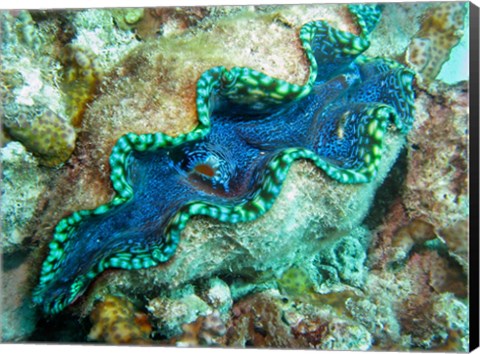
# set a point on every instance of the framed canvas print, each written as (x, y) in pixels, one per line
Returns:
(248, 176)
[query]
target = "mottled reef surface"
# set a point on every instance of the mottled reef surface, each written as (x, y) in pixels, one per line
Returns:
(377, 266)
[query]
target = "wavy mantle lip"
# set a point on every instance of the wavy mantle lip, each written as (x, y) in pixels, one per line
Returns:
(346, 104)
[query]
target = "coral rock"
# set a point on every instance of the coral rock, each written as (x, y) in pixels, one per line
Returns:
(441, 30)
(206, 330)
(171, 312)
(81, 76)
(50, 137)
(33, 111)
(437, 179)
(23, 184)
(266, 320)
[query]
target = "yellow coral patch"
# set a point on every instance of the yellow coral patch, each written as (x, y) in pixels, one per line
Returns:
(115, 321)
(81, 76)
(295, 281)
(440, 32)
(50, 137)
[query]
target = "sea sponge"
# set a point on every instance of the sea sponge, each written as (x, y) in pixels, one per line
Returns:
(441, 30)
(115, 321)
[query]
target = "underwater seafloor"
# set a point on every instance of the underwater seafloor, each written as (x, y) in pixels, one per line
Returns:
(371, 266)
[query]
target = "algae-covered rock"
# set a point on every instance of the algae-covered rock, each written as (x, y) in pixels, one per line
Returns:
(268, 320)
(437, 180)
(18, 316)
(32, 105)
(181, 307)
(23, 186)
(346, 258)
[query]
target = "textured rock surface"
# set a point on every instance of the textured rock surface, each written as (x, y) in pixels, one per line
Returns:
(18, 316)
(437, 180)
(23, 184)
(33, 111)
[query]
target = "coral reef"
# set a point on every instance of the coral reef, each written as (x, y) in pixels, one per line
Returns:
(115, 321)
(393, 41)
(127, 19)
(379, 266)
(344, 260)
(237, 180)
(49, 136)
(296, 281)
(24, 184)
(47, 83)
(95, 35)
(416, 261)
(202, 308)
(430, 275)
(412, 270)
(218, 296)
(456, 238)
(18, 315)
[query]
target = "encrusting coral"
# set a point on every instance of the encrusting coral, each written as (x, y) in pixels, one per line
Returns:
(115, 321)
(81, 76)
(441, 30)
(49, 136)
